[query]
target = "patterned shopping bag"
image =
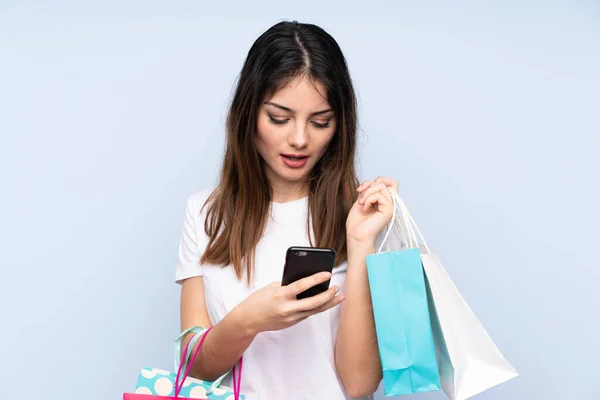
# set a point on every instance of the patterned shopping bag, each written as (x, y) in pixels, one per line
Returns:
(156, 384)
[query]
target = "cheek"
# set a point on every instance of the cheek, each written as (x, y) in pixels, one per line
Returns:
(324, 142)
(265, 137)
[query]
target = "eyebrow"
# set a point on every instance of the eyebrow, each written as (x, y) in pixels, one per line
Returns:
(290, 110)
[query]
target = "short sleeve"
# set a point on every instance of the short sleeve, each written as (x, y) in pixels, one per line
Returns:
(192, 242)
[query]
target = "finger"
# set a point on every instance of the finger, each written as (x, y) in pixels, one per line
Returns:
(303, 284)
(373, 189)
(388, 197)
(330, 304)
(377, 188)
(314, 302)
(388, 182)
(380, 179)
(365, 185)
(375, 198)
(372, 199)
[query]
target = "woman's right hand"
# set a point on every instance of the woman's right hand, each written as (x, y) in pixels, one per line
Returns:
(276, 307)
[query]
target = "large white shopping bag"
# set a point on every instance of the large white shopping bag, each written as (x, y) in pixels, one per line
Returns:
(468, 360)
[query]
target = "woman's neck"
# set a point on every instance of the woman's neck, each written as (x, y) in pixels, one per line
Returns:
(288, 192)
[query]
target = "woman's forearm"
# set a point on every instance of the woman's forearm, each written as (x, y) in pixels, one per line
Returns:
(222, 348)
(357, 354)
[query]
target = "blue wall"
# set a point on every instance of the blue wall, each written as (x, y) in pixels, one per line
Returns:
(111, 113)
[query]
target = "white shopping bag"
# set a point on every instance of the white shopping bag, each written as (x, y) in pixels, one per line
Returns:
(468, 360)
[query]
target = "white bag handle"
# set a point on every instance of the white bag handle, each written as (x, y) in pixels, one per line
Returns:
(405, 225)
(393, 223)
(410, 221)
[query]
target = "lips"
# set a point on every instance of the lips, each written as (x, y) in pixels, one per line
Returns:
(294, 160)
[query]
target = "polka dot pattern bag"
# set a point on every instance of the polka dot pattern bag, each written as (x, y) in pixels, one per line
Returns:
(156, 384)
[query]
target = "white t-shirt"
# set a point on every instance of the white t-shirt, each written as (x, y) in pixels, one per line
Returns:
(294, 363)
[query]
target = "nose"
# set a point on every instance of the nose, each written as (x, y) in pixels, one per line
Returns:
(298, 137)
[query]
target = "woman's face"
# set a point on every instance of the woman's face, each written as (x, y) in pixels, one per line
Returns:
(295, 127)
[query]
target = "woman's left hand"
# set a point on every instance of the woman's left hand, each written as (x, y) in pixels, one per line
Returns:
(371, 212)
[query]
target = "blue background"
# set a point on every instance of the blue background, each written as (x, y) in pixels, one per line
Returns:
(112, 113)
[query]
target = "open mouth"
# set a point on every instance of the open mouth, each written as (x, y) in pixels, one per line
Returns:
(294, 160)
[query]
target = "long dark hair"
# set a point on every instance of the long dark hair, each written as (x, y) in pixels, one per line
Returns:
(239, 207)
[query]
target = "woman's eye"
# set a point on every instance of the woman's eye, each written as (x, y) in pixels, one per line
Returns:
(277, 121)
(321, 125)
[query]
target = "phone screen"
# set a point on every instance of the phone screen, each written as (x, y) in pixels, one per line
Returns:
(301, 262)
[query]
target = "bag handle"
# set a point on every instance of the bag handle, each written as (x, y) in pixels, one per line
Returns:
(395, 222)
(177, 354)
(404, 224)
(409, 221)
(237, 381)
(186, 367)
(198, 331)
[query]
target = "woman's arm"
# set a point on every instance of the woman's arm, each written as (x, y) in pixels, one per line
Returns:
(356, 353)
(225, 343)
(271, 308)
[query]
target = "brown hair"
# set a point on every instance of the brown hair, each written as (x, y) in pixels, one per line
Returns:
(238, 209)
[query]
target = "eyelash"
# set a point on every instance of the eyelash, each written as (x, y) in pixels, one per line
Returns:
(283, 122)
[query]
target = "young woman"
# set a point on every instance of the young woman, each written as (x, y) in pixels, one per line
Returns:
(288, 179)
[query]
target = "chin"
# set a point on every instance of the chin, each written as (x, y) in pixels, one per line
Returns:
(293, 176)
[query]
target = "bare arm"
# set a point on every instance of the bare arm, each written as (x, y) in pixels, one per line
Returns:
(226, 342)
(356, 353)
(271, 308)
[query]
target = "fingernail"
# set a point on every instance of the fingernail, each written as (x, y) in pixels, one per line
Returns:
(326, 275)
(336, 289)
(341, 298)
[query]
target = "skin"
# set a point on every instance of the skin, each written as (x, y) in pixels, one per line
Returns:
(298, 120)
(307, 129)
